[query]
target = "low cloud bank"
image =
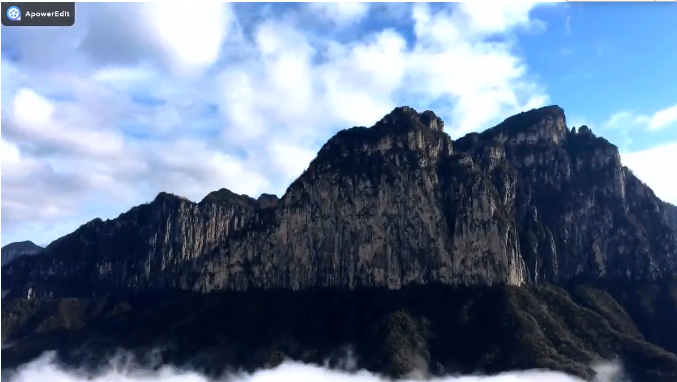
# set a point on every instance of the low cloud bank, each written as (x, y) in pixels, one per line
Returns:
(46, 368)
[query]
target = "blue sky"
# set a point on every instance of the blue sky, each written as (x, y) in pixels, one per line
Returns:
(134, 99)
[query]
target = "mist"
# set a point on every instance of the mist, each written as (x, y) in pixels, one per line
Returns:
(124, 369)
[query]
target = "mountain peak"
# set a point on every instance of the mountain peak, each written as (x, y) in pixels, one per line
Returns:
(545, 125)
(402, 132)
(430, 119)
(267, 201)
(225, 195)
(167, 196)
(405, 116)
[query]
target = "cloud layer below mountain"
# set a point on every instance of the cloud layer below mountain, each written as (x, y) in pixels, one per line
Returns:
(45, 369)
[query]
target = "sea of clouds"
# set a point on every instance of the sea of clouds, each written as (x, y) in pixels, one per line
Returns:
(122, 369)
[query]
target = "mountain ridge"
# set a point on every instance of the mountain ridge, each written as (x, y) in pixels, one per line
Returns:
(400, 202)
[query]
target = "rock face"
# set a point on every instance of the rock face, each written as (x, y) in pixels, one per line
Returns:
(382, 206)
(671, 210)
(580, 212)
(143, 248)
(13, 250)
(398, 203)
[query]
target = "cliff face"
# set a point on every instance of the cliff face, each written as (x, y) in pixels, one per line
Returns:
(398, 203)
(526, 201)
(580, 212)
(382, 206)
(143, 248)
(671, 210)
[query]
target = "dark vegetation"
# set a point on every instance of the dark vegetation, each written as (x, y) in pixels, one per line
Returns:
(438, 329)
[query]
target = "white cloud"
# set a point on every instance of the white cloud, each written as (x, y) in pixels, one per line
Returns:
(498, 18)
(625, 119)
(25, 179)
(360, 80)
(123, 78)
(341, 13)
(57, 156)
(191, 168)
(291, 160)
(45, 369)
(119, 108)
(663, 118)
(190, 43)
(482, 79)
(660, 119)
(34, 120)
(653, 167)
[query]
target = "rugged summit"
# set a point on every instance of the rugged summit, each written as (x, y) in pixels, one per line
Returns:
(382, 206)
(580, 212)
(398, 203)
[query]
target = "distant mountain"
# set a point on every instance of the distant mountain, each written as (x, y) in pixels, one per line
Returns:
(527, 245)
(13, 250)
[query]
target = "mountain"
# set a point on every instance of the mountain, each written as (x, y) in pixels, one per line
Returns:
(526, 201)
(528, 245)
(671, 210)
(13, 250)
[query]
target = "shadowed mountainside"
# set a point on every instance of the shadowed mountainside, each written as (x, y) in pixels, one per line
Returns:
(434, 328)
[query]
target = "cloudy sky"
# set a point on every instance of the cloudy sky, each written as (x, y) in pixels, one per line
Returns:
(135, 99)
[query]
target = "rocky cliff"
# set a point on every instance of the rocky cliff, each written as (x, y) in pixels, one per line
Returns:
(382, 206)
(581, 213)
(671, 210)
(143, 248)
(526, 201)
(398, 203)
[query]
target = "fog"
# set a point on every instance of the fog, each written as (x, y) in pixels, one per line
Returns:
(123, 370)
